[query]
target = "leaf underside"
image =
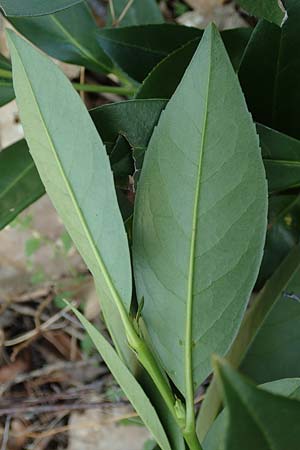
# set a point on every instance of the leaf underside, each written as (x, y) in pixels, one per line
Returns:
(200, 216)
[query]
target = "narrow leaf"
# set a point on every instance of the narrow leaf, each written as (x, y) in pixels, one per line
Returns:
(20, 184)
(6, 87)
(127, 382)
(272, 10)
(198, 242)
(74, 168)
(34, 7)
(69, 36)
(259, 419)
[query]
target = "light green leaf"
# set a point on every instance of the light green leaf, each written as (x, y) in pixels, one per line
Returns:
(69, 36)
(200, 217)
(216, 438)
(272, 10)
(127, 382)
(34, 7)
(257, 419)
(20, 183)
(75, 170)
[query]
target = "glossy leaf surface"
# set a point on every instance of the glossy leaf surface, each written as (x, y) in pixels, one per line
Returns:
(257, 418)
(20, 184)
(165, 77)
(34, 7)
(272, 10)
(268, 73)
(216, 438)
(136, 50)
(139, 13)
(199, 248)
(69, 36)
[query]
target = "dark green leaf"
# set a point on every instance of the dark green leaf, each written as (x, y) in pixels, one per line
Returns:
(6, 87)
(139, 13)
(20, 184)
(199, 248)
(165, 77)
(258, 419)
(72, 162)
(282, 235)
(136, 50)
(281, 155)
(268, 73)
(128, 383)
(216, 437)
(67, 35)
(34, 7)
(272, 10)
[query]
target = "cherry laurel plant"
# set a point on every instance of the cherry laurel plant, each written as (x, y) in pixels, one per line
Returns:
(175, 270)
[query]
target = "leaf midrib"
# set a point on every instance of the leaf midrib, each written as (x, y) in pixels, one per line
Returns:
(21, 175)
(189, 312)
(74, 41)
(82, 220)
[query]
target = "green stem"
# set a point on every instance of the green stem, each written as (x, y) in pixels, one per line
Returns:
(120, 90)
(192, 440)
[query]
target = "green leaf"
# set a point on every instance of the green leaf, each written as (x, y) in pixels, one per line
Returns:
(272, 86)
(281, 155)
(272, 10)
(259, 419)
(139, 13)
(69, 36)
(165, 77)
(32, 245)
(197, 249)
(72, 162)
(255, 318)
(216, 437)
(127, 382)
(274, 351)
(34, 7)
(137, 49)
(282, 235)
(20, 184)
(6, 87)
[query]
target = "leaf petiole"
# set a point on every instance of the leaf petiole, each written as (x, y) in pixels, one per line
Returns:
(99, 88)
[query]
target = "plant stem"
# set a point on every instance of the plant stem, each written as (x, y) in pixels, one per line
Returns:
(192, 440)
(120, 90)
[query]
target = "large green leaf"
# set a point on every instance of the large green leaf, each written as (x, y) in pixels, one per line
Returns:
(137, 49)
(268, 73)
(74, 168)
(67, 35)
(34, 7)
(258, 419)
(255, 318)
(128, 383)
(139, 13)
(281, 155)
(272, 10)
(198, 245)
(6, 87)
(216, 438)
(20, 184)
(165, 77)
